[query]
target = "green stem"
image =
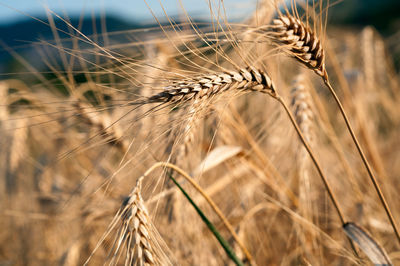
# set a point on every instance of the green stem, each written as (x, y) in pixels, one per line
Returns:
(228, 249)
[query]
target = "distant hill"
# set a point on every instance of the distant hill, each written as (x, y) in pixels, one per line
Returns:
(382, 14)
(19, 35)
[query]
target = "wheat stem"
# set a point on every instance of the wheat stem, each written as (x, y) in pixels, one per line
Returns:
(313, 158)
(317, 166)
(304, 45)
(364, 159)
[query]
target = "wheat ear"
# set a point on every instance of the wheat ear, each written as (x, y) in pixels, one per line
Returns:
(305, 46)
(302, 107)
(303, 112)
(138, 233)
(209, 85)
(135, 217)
(301, 42)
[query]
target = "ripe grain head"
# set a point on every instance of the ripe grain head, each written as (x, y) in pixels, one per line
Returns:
(300, 41)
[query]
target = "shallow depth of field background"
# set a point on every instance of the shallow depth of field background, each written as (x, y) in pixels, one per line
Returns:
(70, 152)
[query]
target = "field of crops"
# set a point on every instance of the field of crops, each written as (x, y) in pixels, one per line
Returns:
(273, 140)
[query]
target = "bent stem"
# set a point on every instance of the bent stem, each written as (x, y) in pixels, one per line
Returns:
(364, 159)
(317, 166)
(208, 199)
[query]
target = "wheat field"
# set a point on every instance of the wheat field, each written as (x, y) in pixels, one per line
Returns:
(273, 140)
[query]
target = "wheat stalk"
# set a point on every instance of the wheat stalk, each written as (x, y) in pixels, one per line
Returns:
(306, 47)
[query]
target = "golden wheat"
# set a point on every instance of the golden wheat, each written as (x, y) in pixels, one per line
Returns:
(152, 98)
(210, 85)
(300, 41)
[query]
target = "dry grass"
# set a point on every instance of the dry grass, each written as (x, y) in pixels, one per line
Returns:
(189, 95)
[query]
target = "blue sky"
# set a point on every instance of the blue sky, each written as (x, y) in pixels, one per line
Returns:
(10, 10)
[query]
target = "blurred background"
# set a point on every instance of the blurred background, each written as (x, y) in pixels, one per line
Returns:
(18, 28)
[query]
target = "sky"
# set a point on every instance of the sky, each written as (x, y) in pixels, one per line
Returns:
(13, 10)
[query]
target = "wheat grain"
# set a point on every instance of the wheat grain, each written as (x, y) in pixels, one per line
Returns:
(304, 113)
(142, 242)
(302, 106)
(301, 42)
(210, 85)
(136, 227)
